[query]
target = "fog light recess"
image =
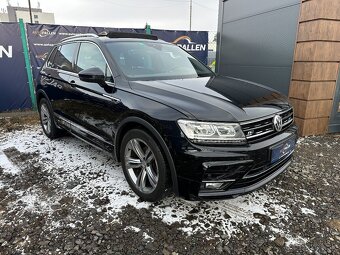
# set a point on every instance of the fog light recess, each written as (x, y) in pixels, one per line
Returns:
(213, 185)
(217, 185)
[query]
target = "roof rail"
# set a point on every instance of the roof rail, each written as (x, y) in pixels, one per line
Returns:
(79, 36)
(113, 34)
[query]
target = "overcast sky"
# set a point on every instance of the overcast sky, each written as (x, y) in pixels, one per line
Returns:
(162, 14)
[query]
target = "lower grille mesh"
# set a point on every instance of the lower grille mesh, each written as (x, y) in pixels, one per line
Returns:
(256, 175)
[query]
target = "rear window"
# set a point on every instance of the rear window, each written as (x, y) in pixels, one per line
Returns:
(64, 57)
(50, 60)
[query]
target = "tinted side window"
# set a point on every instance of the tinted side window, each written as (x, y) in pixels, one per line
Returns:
(64, 56)
(50, 60)
(90, 56)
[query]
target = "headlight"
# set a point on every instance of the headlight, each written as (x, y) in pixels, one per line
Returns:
(212, 132)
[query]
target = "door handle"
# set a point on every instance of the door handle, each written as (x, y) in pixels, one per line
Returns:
(113, 99)
(72, 83)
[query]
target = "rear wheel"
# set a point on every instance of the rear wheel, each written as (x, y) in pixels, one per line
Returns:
(47, 120)
(144, 165)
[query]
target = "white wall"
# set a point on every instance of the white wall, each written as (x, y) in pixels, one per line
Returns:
(42, 17)
(3, 17)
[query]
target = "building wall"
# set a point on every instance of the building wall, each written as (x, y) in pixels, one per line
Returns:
(4, 17)
(37, 17)
(23, 15)
(256, 40)
(14, 13)
(316, 66)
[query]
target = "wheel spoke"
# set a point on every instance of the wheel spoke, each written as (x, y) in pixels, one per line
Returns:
(45, 118)
(43, 111)
(147, 152)
(151, 176)
(133, 163)
(148, 155)
(137, 148)
(48, 126)
(141, 180)
(150, 158)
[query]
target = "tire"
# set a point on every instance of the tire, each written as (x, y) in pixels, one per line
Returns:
(47, 120)
(143, 165)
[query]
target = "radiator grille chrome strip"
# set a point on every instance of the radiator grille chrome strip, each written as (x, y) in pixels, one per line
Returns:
(264, 126)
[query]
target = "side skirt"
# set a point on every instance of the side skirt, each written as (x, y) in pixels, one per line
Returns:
(84, 134)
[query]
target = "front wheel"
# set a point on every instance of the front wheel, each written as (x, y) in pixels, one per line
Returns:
(144, 165)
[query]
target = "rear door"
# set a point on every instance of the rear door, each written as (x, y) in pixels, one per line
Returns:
(94, 108)
(55, 76)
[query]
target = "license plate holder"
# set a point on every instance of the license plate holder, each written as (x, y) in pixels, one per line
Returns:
(283, 149)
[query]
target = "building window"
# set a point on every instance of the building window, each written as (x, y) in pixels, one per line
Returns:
(35, 16)
(36, 21)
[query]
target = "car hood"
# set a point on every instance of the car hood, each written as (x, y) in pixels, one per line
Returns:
(215, 98)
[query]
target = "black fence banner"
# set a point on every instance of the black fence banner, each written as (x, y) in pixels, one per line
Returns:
(42, 37)
(195, 42)
(13, 78)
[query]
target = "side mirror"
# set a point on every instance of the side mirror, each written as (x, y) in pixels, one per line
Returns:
(93, 74)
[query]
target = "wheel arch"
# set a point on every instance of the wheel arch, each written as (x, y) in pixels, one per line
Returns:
(137, 122)
(42, 94)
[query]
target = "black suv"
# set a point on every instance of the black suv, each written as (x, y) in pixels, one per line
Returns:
(171, 122)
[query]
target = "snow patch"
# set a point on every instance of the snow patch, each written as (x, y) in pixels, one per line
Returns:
(132, 228)
(291, 240)
(147, 237)
(91, 176)
(7, 165)
(295, 241)
(33, 203)
(307, 211)
(71, 225)
(224, 214)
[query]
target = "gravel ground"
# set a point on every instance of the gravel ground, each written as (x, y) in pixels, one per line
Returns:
(66, 197)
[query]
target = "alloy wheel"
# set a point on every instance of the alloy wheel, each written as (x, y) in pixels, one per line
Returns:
(45, 118)
(141, 165)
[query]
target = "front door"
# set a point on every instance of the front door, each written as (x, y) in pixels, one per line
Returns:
(94, 108)
(334, 123)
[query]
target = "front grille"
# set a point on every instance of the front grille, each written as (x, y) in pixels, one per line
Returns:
(264, 127)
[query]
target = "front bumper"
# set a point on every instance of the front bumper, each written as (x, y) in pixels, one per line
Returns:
(239, 169)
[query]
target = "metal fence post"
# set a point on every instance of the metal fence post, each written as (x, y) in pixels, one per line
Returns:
(27, 63)
(148, 29)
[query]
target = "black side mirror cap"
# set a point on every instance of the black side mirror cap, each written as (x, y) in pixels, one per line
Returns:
(93, 74)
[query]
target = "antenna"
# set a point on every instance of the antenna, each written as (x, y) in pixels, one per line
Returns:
(8, 3)
(38, 4)
(190, 16)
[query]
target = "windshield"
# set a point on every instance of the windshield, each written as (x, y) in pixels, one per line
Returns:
(142, 60)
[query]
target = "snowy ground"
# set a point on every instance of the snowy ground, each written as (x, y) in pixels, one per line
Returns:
(79, 201)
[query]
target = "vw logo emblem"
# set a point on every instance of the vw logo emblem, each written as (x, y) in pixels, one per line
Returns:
(277, 121)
